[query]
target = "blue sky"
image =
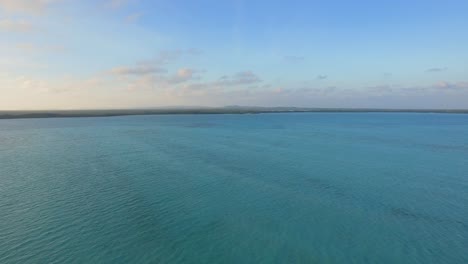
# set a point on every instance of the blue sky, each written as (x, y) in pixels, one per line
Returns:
(66, 54)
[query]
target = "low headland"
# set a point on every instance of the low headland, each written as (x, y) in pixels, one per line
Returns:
(14, 114)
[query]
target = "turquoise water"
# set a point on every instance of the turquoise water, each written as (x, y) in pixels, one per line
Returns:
(268, 188)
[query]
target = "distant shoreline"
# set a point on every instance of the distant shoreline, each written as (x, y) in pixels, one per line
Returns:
(221, 110)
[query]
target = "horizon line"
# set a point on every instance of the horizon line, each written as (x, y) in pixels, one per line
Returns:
(23, 114)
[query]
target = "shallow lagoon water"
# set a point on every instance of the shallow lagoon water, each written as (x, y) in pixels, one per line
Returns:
(266, 188)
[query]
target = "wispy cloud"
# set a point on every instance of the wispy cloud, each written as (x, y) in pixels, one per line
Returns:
(157, 65)
(436, 69)
(322, 77)
(293, 59)
(26, 47)
(26, 6)
(140, 69)
(387, 74)
(62, 84)
(183, 75)
(193, 52)
(380, 89)
(132, 18)
(452, 85)
(240, 78)
(421, 90)
(116, 4)
(32, 47)
(9, 25)
(169, 56)
(187, 80)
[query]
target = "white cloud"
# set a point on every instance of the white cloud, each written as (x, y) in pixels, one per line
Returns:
(9, 25)
(148, 89)
(182, 75)
(34, 85)
(139, 79)
(241, 78)
(169, 56)
(115, 4)
(294, 59)
(26, 6)
(35, 48)
(153, 72)
(138, 70)
(132, 18)
(451, 85)
(436, 69)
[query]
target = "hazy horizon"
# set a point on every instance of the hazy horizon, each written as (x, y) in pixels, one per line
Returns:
(134, 54)
(195, 107)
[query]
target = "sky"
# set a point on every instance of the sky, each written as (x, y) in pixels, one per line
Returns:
(101, 54)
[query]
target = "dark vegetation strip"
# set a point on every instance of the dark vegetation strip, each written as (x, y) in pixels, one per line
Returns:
(223, 110)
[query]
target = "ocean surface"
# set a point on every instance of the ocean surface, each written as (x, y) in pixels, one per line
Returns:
(264, 188)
